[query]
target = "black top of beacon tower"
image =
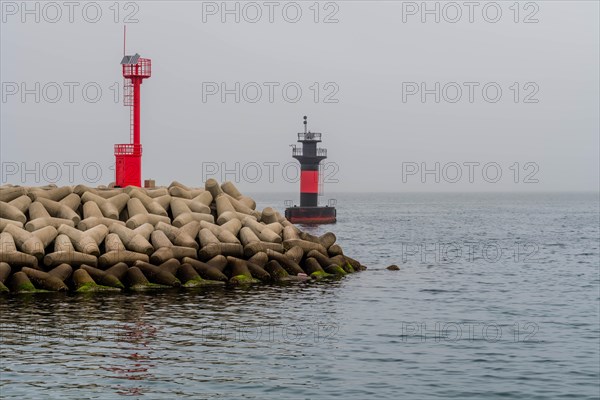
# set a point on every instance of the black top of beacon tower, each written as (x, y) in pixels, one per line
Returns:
(308, 136)
(309, 153)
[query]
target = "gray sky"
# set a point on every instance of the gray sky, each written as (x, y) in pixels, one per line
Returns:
(374, 61)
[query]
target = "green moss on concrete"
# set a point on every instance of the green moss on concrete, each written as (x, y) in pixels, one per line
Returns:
(293, 279)
(280, 274)
(318, 275)
(348, 268)
(336, 270)
(242, 280)
(119, 285)
(27, 288)
(142, 287)
(91, 287)
(199, 282)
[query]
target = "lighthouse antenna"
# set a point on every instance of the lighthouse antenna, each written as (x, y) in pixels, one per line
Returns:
(124, 38)
(305, 123)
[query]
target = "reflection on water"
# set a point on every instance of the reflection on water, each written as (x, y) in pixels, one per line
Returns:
(438, 328)
(133, 357)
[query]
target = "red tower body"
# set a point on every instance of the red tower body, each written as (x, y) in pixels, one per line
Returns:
(128, 156)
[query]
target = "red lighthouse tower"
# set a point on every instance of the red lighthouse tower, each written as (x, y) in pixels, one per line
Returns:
(128, 157)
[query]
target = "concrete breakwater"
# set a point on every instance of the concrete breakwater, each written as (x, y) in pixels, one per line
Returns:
(86, 239)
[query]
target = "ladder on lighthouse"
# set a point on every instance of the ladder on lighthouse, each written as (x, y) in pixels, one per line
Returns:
(128, 102)
(321, 180)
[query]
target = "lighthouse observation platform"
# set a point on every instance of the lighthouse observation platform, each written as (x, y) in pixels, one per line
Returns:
(128, 149)
(309, 136)
(298, 152)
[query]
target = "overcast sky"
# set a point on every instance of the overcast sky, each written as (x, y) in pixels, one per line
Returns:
(370, 60)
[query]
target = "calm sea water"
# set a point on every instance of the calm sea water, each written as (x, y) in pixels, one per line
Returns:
(497, 296)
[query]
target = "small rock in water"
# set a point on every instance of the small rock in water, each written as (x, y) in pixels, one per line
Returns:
(393, 267)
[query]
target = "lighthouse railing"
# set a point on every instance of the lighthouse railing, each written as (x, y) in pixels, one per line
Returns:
(128, 149)
(142, 69)
(309, 136)
(297, 151)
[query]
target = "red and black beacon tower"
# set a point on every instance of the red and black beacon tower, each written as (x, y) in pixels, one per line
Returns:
(309, 156)
(128, 156)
